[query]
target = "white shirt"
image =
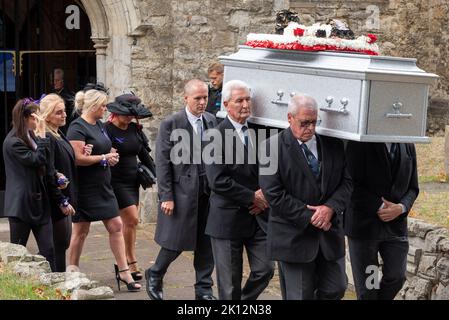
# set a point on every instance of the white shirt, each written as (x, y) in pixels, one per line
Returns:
(311, 144)
(238, 127)
(192, 119)
(388, 144)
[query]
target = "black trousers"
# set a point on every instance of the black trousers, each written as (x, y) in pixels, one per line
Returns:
(20, 232)
(365, 261)
(203, 260)
(62, 232)
(316, 280)
(228, 255)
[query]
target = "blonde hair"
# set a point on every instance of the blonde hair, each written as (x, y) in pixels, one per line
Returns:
(89, 101)
(47, 107)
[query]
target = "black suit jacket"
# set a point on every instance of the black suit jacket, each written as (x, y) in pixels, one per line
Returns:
(233, 187)
(61, 159)
(370, 168)
(178, 182)
(26, 195)
(291, 236)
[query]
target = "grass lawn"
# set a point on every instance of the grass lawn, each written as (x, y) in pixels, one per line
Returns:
(13, 287)
(430, 159)
(432, 204)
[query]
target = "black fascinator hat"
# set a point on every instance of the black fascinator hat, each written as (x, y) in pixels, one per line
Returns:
(129, 105)
(96, 86)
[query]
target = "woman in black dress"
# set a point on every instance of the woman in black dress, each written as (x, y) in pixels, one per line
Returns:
(26, 199)
(96, 199)
(129, 141)
(61, 177)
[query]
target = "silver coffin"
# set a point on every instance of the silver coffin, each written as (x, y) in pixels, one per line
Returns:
(360, 97)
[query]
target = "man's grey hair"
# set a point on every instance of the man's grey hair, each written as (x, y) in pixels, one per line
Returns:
(299, 101)
(58, 73)
(233, 85)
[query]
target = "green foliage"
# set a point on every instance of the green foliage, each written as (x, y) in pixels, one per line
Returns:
(13, 287)
(432, 207)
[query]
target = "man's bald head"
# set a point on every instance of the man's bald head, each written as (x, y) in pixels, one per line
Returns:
(195, 96)
(193, 85)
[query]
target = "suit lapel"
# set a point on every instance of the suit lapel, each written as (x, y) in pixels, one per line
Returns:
(187, 126)
(298, 156)
(402, 159)
(237, 141)
(382, 153)
(67, 146)
(208, 123)
(186, 123)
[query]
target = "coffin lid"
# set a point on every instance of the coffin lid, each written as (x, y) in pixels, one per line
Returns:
(334, 64)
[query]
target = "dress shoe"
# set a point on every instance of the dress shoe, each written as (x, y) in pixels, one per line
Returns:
(205, 297)
(153, 286)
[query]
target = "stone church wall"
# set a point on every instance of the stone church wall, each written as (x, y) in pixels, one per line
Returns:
(183, 37)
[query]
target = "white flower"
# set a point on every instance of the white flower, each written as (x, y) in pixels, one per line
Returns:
(292, 26)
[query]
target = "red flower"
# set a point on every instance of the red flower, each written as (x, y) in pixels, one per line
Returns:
(298, 32)
(372, 38)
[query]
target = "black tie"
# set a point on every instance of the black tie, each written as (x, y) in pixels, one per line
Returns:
(395, 155)
(245, 134)
(313, 162)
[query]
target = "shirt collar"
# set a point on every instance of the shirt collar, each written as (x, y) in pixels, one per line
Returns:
(309, 143)
(192, 118)
(237, 126)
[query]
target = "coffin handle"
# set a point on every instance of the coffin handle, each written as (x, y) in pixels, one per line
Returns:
(397, 114)
(279, 101)
(344, 102)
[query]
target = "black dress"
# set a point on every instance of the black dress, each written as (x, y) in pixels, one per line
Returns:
(96, 199)
(124, 174)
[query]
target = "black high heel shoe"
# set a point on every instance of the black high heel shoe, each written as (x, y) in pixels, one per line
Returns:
(131, 286)
(137, 275)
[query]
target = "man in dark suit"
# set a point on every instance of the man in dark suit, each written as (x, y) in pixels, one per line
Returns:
(183, 194)
(237, 217)
(66, 94)
(307, 195)
(385, 188)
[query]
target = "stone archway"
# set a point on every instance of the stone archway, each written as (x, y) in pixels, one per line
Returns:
(114, 24)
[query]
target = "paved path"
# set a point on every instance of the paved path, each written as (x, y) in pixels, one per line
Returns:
(97, 262)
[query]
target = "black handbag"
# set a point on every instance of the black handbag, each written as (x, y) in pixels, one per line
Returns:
(145, 176)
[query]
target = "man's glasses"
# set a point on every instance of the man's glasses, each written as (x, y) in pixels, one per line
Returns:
(306, 124)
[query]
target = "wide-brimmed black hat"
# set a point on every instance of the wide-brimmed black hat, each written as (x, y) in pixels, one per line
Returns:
(129, 105)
